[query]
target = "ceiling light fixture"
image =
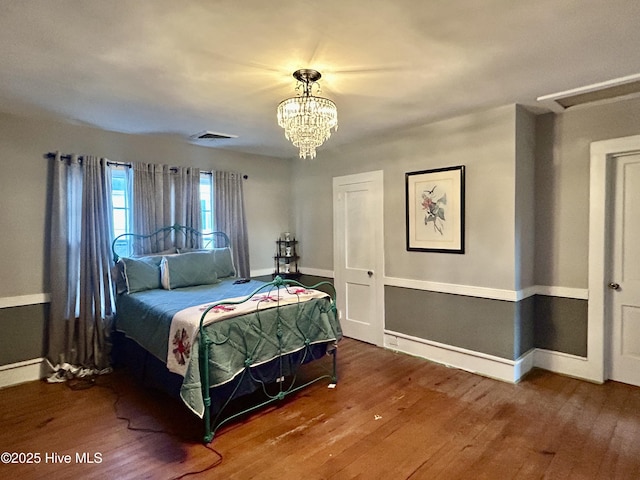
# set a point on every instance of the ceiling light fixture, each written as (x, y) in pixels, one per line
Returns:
(307, 119)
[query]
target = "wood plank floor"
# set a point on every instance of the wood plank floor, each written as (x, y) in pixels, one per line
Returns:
(391, 416)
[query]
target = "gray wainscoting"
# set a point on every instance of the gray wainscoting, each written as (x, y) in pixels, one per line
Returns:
(477, 324)
(23, 333)
(494, 327)
(561, 324)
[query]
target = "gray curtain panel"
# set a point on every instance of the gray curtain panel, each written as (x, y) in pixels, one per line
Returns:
(151, 204)
(186, 197)
(80, 283)
(230, 217)
(164, 196)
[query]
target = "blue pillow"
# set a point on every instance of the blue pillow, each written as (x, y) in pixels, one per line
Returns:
(222, 258)
(223, 261)
(188, 269)
(141, 273)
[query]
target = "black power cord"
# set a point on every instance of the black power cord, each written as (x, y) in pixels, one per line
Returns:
(89, 381)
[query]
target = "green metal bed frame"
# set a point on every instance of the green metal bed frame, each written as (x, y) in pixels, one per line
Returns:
(193, 239)
(206, 342)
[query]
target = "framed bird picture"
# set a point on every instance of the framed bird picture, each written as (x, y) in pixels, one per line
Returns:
(435, 210)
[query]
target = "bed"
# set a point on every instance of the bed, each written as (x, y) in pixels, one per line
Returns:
(187, 325)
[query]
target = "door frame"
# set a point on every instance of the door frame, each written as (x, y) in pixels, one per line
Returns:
(597, 365)
(377, 179)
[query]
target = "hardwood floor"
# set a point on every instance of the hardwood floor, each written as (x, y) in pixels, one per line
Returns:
(391, 416)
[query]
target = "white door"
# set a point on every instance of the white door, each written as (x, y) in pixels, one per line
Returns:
(625, 282)
(358, 255)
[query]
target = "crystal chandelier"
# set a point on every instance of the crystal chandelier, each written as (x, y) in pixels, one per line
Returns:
(307, 120)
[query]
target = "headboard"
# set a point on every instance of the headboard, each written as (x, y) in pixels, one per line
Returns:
(165, 238)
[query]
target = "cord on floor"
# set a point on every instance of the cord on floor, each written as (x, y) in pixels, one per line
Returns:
(86, 382)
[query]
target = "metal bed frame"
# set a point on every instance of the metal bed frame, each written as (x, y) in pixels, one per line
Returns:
(206, 342)
(193, 239)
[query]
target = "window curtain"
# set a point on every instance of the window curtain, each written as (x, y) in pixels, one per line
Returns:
(230, 217)
(164, 196)
(80, 240)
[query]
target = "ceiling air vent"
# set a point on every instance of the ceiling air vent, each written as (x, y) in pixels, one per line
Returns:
(619, 88)
(207, 135)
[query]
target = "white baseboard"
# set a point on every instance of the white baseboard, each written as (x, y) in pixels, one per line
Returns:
(488, 365)
(475, 362)
(22, 372)
(317, 272)
(564, 364)
(524, 364)
(261, 272)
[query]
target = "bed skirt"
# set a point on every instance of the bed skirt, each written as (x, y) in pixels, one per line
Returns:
(151, 372)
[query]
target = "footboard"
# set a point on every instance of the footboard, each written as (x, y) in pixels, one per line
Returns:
(293, 326)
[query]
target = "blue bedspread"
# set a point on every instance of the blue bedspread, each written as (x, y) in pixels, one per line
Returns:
(253, 338)
(146, 316)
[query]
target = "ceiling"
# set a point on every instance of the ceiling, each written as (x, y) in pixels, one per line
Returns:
(179, 68)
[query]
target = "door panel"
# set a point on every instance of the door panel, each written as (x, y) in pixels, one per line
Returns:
(358, 255)
(630, 331)
(625, 284)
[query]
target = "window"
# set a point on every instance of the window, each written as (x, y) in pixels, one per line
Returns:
(121, 199)
(206, 208)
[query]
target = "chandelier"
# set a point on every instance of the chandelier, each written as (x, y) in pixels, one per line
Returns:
(307, 120)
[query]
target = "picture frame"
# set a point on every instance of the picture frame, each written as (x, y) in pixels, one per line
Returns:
(435, 210)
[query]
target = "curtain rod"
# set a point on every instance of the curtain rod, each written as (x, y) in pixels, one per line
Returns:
(210, 172)
(50, 155)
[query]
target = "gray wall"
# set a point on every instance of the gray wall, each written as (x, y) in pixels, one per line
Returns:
(495, 327)
(486, 143)
(562, 185)
(483, 141)
(524, 250)
(281, 195)
(527, 217)
(561, 324)
(562, 213)
(23, 204)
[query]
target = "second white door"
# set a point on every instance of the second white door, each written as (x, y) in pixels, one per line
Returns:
(358, 255)
(625, 281)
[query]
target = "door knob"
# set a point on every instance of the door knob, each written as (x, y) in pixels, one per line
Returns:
(370, 273)
(614, 286)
